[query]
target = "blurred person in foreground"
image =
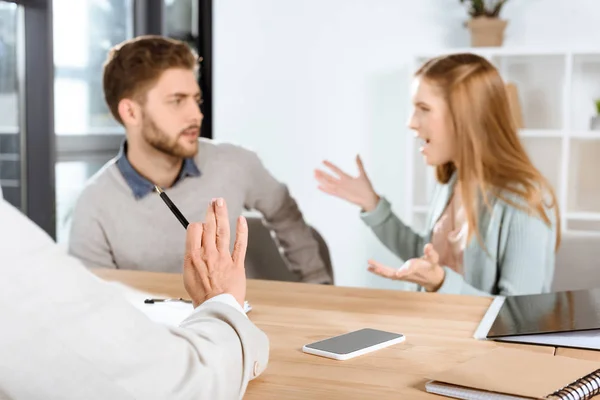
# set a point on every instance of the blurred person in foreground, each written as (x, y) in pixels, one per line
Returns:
(66, 334)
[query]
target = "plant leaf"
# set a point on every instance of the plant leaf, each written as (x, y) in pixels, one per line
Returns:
(478, 8)
(497, 8)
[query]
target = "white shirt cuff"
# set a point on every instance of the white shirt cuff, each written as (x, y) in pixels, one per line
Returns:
(225, 298)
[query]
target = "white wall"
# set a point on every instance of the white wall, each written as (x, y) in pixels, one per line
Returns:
(300, 81)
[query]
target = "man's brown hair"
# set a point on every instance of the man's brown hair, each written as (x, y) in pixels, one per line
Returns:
(134, 65)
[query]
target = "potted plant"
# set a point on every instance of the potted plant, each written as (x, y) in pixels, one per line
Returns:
(485, 25)
(595, 122)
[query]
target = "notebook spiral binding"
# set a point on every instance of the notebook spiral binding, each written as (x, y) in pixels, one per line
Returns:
(582, 389)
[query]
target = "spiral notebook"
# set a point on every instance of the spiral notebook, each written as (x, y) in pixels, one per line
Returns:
(511, 374)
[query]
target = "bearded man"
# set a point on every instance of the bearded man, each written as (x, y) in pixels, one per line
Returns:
(151, 88)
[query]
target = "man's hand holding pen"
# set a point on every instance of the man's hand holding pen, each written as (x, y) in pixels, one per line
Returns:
(209, 268)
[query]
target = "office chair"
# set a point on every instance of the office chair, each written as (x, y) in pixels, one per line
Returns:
(265, 260)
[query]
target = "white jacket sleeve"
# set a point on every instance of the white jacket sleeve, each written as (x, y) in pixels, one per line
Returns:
(66, 334)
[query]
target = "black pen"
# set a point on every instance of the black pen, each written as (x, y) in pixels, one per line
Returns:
(152, 301)
(172, 206)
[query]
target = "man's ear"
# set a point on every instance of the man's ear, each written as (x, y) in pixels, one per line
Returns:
(130, 112)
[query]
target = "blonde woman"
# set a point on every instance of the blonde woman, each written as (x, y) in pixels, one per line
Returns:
(493, 224)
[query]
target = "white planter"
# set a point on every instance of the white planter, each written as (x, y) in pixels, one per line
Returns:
(486, 32)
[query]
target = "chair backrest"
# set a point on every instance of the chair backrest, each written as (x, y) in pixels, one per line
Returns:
(577, 262)
(323, 252)
(265, 259)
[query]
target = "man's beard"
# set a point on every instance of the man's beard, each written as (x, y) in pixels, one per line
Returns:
(161, 141)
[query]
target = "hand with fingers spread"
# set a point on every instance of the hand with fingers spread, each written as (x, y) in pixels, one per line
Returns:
(357, 190)
(209, 268)
(424, 271)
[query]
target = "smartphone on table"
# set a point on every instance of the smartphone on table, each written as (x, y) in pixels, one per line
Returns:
(353, 344)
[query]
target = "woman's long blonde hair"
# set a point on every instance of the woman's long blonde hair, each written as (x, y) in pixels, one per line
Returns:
(489, 151)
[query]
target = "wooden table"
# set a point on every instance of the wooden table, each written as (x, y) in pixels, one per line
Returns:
(438, 330)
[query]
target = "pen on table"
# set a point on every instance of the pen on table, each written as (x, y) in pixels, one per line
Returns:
(247, 306)
(172, 206)
(152, 301)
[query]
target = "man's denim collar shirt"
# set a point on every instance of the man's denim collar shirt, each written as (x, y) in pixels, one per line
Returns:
(141, 186)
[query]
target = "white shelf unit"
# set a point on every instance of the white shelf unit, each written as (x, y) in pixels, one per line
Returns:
(557, 89)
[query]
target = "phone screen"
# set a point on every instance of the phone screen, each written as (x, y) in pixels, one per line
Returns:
(355, 341)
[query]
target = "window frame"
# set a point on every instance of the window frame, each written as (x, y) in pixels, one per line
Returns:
(147, 19)
(36, 112)
(40, 147)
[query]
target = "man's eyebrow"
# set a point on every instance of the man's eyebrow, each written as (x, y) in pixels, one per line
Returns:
(181, 94)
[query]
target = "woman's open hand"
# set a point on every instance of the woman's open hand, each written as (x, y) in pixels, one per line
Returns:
(357, 190)
(424, 271)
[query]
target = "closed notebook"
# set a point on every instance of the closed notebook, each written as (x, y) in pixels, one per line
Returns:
(507, 374)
